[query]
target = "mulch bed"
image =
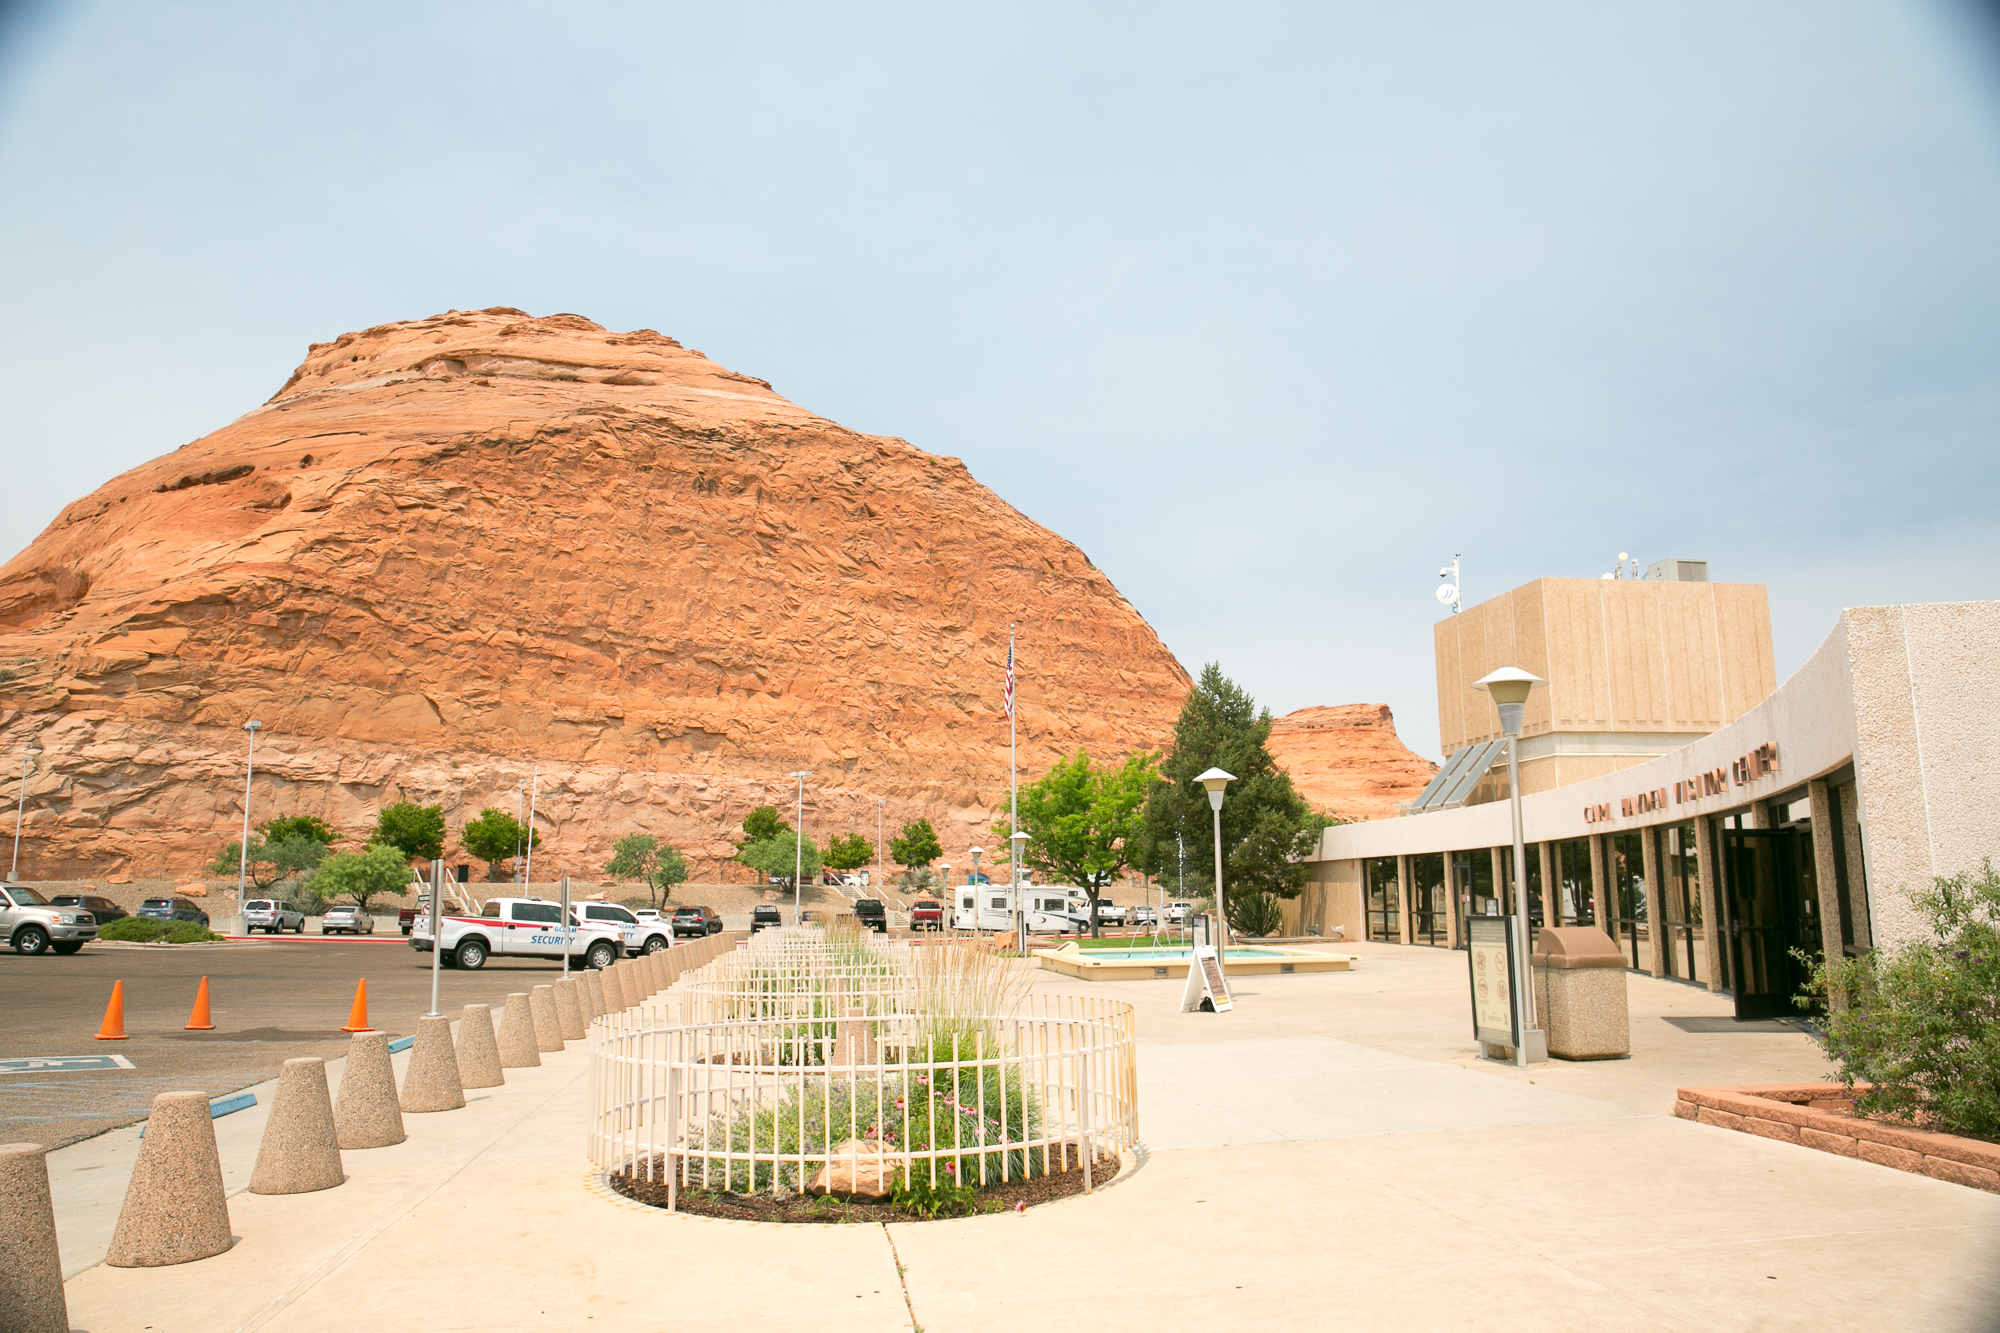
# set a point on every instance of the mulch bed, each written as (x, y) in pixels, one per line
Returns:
(827, 1209)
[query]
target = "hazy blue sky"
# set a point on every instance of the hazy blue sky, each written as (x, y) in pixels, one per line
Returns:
(1271, 309)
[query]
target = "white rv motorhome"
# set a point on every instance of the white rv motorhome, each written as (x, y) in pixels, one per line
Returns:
(1051, 908)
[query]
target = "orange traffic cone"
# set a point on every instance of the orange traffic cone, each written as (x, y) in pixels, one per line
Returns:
(198, 1020)
(114, 1015)
(357, 1017)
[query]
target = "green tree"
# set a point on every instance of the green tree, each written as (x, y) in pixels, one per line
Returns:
(358, 876)
(415, 830)
(1082, 821)
(496, 837)
(761, 825)
(916, 846)
(1267, 828)
(642, 856)
(272, 861)
(285, 827)
(849, 852)
(777, 856)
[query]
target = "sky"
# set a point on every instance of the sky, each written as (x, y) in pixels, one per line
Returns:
(1272, 309)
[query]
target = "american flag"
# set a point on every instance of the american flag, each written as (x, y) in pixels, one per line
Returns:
(1010, 678)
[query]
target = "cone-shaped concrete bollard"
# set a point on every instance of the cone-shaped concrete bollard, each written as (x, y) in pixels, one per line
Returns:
(175, 1211)
(656, 968)
(569, 1014)
(517, 1034)
(31, 1281)
(615, 999)
(431, 1081)
(367, 1113)
(542, 1008)
(593, 988)
(636, 981)
(300, 1152)
(478, 1052)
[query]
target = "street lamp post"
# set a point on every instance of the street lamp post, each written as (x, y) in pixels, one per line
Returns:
(1510, 687)
(249, 769)
(1019, 842)
(21, 805)
(1215, 780)
(799, 843)
(977, 852)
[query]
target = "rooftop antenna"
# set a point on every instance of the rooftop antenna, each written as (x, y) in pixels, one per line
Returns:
(1447, 593)
(1620, 570)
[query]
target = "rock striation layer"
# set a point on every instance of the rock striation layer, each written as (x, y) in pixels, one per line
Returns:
(448, 549)
(1347, 760)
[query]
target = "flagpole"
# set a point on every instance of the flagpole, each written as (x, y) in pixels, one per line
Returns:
(1014, 809)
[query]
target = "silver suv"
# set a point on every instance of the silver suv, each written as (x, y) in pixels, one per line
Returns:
(32, 926)
(273, 915)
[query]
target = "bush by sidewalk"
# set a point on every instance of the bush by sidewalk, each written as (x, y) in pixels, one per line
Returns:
(146, 930)
(1920, 1022)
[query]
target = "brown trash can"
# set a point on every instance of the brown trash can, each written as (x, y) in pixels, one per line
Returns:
(1580, 993)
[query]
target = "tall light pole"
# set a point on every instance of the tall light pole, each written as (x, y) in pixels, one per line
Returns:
(520, 824)
(977, 852)
(21, 805)
(799, 844)
(249, 770)
(1215, 780)
(1510, 687)
(528, 866)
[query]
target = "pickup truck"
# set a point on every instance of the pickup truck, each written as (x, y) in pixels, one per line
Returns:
(1109, 913)
(926, 914)
(519, 928)
(407, 918)
(871, 914)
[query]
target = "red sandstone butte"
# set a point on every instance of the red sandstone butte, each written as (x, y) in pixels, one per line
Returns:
(449, 547)
(1347, 760)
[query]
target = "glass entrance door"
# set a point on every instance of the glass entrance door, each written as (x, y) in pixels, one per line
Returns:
(1766, 918)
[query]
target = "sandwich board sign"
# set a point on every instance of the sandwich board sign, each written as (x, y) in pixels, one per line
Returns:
(1206, 988)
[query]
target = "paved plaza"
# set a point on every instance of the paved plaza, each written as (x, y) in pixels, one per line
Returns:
(1330, 1154)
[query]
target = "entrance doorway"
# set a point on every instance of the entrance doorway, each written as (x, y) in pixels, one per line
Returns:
(1768, 918)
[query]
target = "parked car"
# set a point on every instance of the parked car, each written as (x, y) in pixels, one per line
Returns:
(764, 916)
(1179, 912)
(641, 934)
(102, 910)
(699, 922)
(346, 919)
(651, 916)
(871, 914)
(926, 914)
(178, 908)
(1109, 913)
(1145, 916)
(34, 925)
(267, 914)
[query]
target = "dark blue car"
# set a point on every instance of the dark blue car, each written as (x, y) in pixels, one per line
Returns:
(172, 909)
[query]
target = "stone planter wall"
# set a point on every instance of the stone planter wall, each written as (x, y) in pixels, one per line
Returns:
(1817, 1115)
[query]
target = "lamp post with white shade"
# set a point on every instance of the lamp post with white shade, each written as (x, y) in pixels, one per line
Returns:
(21, 804)
(1510, 688)
(799, 843)
(1215, 780)
(249, 770)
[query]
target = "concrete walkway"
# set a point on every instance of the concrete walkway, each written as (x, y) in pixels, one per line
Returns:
(1331, 1153)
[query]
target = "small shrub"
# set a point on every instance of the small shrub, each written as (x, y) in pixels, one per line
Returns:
(1920, 1022)
(133, 929)
(186, 932)
(919, 1198)
(1254, 912)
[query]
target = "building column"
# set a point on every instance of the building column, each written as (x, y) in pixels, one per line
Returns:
(1503, 870)
(1710, 874)
(1403, 899)
(1600, 885)
(1824, 870)
(1551, 900)
(1849, 796)
(1451, 900)
(1657, 933)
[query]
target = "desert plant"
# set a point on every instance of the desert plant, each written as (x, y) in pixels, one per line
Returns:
(271, 862)
(1914, 1029)
(642, 856)
(1254, 912)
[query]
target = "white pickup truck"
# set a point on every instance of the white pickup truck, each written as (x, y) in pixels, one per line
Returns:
(519, 928)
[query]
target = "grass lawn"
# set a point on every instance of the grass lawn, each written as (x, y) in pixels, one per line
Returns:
(1145, 941)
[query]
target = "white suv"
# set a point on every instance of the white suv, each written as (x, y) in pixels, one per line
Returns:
(642, 934)
(32, 926)
(272, 915)
(519, 928)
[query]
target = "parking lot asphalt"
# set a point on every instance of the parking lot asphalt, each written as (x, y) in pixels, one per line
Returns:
(269, 1001)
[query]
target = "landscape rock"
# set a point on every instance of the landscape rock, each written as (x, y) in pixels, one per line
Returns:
(1347, 760)
(858, 1169)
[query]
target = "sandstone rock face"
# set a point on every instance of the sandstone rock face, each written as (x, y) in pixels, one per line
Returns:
(1347, 760)
(452, 548)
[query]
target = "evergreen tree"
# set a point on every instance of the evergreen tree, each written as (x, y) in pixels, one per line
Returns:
(1267, 828)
